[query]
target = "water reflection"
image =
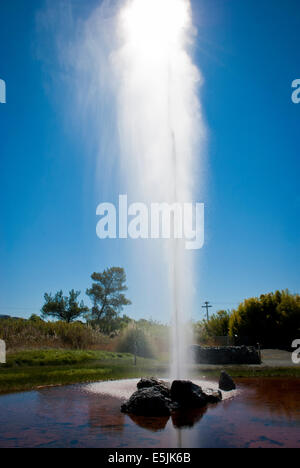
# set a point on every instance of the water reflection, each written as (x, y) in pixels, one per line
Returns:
(273, 395)
(180, 420)
(154, 424)
(265, 413)
(188, 418)
(76, 408)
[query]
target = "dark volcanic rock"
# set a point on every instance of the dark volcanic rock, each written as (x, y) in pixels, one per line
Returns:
(146, 382)
(155, 398)
(213, 396)
(226, 383)
(160, 385)
(187, 394)
(148, 401)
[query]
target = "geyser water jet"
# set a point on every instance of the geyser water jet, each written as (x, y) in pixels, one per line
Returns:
(137, 54)
(160, 128)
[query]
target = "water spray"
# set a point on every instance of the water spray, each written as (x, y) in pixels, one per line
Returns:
(159, 125)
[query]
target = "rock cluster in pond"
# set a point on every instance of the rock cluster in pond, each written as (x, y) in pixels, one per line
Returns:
(157, 398)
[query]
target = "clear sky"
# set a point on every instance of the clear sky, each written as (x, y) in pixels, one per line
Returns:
(248, 52)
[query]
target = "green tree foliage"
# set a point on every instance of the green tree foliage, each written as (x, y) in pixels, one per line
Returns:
(107, 295)
(35, 318)
(272, 320)
(111, 325)
(63, 307)
(216, 326)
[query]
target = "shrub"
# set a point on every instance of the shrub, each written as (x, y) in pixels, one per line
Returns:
(210, 332)
(272, 319)
(134, 340)
(34, 333)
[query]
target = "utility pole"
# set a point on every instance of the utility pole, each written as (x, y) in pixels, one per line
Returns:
(206, 306)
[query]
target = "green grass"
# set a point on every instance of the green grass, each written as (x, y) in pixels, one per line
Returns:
(31, 369)
(60, 357)
(28, 370)
(244, 371)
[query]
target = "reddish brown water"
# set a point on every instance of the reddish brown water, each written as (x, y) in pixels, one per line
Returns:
(264, 413)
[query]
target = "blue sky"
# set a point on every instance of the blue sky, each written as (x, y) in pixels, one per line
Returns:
(249, 55)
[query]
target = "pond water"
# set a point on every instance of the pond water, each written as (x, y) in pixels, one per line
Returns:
(262, 413)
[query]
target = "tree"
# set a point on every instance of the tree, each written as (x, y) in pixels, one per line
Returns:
(206, 331)
(107, 295)
(112, 326)
(35, 318)
(272, 319)
(62, 307)
(218, 324)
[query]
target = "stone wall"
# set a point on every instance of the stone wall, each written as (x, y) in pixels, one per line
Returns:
(225, 355)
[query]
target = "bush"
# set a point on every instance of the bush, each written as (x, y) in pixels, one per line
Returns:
(135, 341)
(111, 326)
(272, 319)
(210, 332)
(158, 335)
(21, 333)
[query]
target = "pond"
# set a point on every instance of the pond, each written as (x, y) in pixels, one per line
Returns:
(262, 413)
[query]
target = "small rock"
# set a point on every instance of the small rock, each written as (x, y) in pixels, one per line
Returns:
(226, 383)
(213, 396)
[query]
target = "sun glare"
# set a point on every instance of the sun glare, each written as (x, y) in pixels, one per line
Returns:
(159, 23)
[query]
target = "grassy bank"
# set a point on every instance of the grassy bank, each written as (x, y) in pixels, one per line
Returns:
(31, 369)
(28, 370)
(244, 371)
